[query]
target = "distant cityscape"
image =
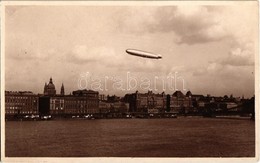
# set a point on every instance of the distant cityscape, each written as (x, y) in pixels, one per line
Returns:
(91, 105)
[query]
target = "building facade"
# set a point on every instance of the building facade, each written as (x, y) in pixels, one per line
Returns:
(181, 103)
(50, 103)
(113, 107)
(57, 105)
(20, 103)
(82, 102)
(159, 103)
(146, 102)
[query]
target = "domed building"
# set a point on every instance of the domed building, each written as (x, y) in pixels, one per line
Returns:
(49, 89)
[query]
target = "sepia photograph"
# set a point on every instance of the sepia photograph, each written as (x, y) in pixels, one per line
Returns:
(150, 80)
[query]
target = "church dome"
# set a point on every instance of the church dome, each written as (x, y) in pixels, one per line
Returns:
(51, 86)
(49, 89)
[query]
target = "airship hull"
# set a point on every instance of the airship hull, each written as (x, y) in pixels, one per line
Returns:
(143, 54)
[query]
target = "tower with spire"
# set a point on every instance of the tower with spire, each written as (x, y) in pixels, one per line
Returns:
(62, 92)
(45, 88)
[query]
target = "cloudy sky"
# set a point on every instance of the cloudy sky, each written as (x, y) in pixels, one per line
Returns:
(211, 48)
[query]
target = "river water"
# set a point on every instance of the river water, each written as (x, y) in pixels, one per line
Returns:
(181, 137)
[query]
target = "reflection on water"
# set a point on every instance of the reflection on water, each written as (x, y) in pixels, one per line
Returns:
(181, 137)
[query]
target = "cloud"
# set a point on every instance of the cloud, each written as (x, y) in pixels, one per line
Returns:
(188, 24)
(196, 24)
(240, 54)
(102, 55)
(239, 57)
(27, 51)
(223, 79)
(109, 57)
(223, 71)
(137, 20)
(211, 68)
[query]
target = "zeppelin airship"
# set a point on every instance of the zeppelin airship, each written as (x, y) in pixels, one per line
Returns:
(143, 54)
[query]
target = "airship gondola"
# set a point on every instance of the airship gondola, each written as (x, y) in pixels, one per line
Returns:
(143, 54)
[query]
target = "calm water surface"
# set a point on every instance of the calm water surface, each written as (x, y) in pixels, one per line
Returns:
(181, 137)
